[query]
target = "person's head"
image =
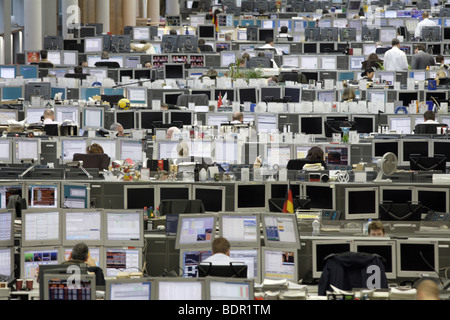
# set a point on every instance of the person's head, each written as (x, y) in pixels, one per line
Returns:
(425, 15)
(373, 57)
(80, 251)
(272, 81)
(172, 131)
(284, 29)
(440, 59)
(261, 54)
(376, 229)
(246, 56)
(369, 73)
(201, 41)
(105, 55)
(242, 63)
(173, 32)
(84, 64)
(44, 54)
(49, 114)
(348, 94)
(78, 69)
(429, 115)
(269, 40)
(221, 245)
(212, 74)
(238, 116)
(419, 47)
(315, 153)
(95, 148)
(117, 127)
(427, 290)
(379, 44)
(148, 64)
(395, 42)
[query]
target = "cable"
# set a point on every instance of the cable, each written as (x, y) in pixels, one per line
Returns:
(432, 268)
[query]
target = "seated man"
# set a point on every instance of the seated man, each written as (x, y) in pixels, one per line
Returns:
(221, 252)
(105, 62)
(430, 125)
(48, 117)
(238, 118)
(117, 127)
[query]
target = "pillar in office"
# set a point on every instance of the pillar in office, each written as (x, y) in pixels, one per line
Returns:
(7, 32)
(71, 15)
(153, 11)
(33, 38)
(129, 12)
(102, 14)
(172, 7)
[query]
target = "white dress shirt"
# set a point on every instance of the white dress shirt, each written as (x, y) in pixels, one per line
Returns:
(218, 259)
(424, 23)
(395, 59)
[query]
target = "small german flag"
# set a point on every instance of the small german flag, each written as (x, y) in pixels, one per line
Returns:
(288, 206)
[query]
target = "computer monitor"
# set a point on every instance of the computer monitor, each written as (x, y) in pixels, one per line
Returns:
(364, 123)
(189, 260)
(386, 249)
(323, 248)
(240, 229)
(7, 217)
(409, 147)
(180, 289)
(280, 263)
(60, 287)
(267, 123)
(431, 33)
(93, 45)
(124, 228)
(337, 156)
(41, 227)
(309, 62)
(195, 231)
(82, 225)
(400, 124)
(386, 34)
(130, 149)
(93, 118)
(6, 154)
(435, 199)
(226, 151)
(122, 259)
(355, 62)
(70, 146)
(187, 43)
(250, 197)
(167, 149)
(312, 34)
(213, 198)
(147, 117)
(361, 203)
(139, 196)
(229, 289)
(174, 71)
(7, 261)
(396, 194)
(312, 124)
(12, 93)
(75, 196)
(200, 149)
(65, 113)
(278, 155)
(264, 34)
(322, 197)
(417, 257)
(326, 96)
(185, 117)
(37, 89)
(441, 147)
(127, 118)
(292, 94)
(70, 58)
(28, 71)
(32, 258)
(270, 94)
(129, 289)
(247, 95)
(171, 98)
(206, 31)
(142, 33)
(42, 195)
(108, 145)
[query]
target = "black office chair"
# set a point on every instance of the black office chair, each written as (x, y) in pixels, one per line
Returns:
(93, 161)
(298, 164)
(80, 76)
(108, 64)
(44, 65)
(428, 128)
(51, 130)
(205, 48)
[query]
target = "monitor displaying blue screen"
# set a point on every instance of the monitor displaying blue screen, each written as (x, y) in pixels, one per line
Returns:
(28, 72)
(12, 93)
(87, 93)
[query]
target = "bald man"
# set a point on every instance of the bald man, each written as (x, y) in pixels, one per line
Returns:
(427, 290)
(238, 117)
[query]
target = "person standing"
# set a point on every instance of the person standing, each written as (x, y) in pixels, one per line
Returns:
(395, 59)
(421, 60)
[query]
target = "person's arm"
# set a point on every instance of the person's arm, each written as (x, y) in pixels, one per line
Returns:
(414, 63)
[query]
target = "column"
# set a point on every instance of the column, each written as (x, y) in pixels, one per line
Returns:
(153, 11)
(102, 14)
(172, 7)
(71, 15)
(33, 38)
(129, 12)
(50, 16)
(7, 36)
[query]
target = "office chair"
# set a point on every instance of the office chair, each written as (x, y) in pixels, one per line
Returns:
(93, 161)
(205, 48)
(436, 163)
(349, 270)
(51, 130)
(428, 128)
(108, 64)
(80, 76)
(298, 164)
(180, 206)
(44, 65)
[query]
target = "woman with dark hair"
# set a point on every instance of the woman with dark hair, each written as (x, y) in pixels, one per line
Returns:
(368, 74)
(372, 62)
(315, 153)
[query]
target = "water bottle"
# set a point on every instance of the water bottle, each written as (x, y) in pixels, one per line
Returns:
(366, 226)
(316, 226)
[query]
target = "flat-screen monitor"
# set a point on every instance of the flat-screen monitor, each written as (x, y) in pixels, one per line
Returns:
(86, 93)
(82, 226)
(70, 146)
(292, 94)
(139, 196)
(93, 45)
(127, 118)
(12, 93)
(6, 155)
(396, 194)
(65, 113)
(323, 248)
(278, 155)
(247, 95)
(361, 203)
(264, 34)
(75, 196)
(240, 229)
(417, 257)
(28, 72)
(196, 231)
(387, 34)
(267, 123)
(337, 156)
(129, 289)
(7, 72)
(171, 98)
(41, 227)
(227, 152)
(124, 228)
(34, 115)
(93, 118)
(174, 71)
(130, 149)
(322, 197)
(137, 96)
(441, 147)
(42, 195)
(355, 62)
(58, 287)
(229, 289)
(108, 145)
(280, 263)
(250, 197)
(185, 117)
(385, 249)
(32, 258)
(251, 256)
(207, 32)
(435, 199)
(213, 198)
(122, 259)
(326, 96)
(142, 33)
(7, 229)
(280, 230)
(400, 124)
(363, 124)
(180, 289)
(312, 124)
(413, 147)
(146, 118)
(37, 89)
(270, 94)
(7, 261)
(190, 258)
(167, 149)
(309, 62)
(381, 147)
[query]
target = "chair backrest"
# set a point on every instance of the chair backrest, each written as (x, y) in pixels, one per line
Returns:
(108, 64)
(96, 161)
(81, 76)
(297, 164)
(428, 128)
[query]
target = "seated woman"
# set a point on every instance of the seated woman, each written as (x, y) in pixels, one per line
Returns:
(372, 62)
(94, 148)
(315, 155)
(348, 95)
(368, 75)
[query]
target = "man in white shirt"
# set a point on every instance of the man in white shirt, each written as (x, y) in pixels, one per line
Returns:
(395, 59)
(221, 253)
(424, 23)
(49, 116)
(269, 45)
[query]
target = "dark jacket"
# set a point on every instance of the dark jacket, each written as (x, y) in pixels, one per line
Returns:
(349, 270)
(421, 60)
